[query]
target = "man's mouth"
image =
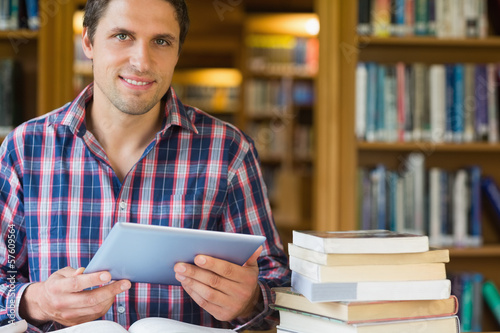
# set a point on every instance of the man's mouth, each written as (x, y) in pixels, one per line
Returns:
(136, 83)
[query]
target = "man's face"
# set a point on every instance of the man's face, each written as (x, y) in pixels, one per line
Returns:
(134, 52)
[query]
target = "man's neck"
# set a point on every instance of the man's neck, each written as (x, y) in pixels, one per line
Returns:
(123, 137)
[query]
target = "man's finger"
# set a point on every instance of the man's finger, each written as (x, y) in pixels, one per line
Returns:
(75, 283)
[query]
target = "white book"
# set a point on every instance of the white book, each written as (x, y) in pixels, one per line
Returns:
(361, 81)
(416, 166)
(370, 291)
(460, 208)
(294, 321)
(368, 273)
(483, 18)
(336, 259)
(437, 88)
(360, 241)
(435, 207)
(145, 325)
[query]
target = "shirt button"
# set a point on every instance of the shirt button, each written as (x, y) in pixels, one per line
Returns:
(121, 309)
(123, 205)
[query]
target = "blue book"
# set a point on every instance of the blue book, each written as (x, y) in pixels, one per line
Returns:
(32, 12)
(380, 126)
(381, 197)
(458, 115)
(475, 224)
(450, 99)
(371, 101)
(399, 18)
(492, 196)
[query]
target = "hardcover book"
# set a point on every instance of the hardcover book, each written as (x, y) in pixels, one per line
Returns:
(358, 312)
(361, 241)
(316, 291)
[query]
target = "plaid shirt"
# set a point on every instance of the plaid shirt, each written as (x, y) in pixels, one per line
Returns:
(60, 198)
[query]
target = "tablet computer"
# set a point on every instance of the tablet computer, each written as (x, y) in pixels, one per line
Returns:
(148, 253)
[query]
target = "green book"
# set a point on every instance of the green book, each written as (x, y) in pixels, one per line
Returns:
(492, 298)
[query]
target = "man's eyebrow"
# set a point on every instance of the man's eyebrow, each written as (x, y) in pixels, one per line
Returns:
(166, 36)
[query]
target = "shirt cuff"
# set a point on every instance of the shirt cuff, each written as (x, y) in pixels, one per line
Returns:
(257, 321)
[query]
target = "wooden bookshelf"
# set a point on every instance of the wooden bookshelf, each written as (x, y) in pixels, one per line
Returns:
(276, 123)
(339, 153)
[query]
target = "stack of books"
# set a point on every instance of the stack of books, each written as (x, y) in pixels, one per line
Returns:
(366, 281)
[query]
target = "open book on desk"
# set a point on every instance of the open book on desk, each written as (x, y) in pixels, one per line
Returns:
(145, 325)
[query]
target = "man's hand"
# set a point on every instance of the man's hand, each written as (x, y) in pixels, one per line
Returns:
(62, 297)
(227, 291)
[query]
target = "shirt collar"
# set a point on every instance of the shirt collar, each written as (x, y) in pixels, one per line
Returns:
(176, 113)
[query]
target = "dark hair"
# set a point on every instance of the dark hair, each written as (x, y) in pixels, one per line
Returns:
(94, 10)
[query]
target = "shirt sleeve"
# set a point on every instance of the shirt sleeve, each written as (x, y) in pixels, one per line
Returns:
(248, 211)
(13, 255)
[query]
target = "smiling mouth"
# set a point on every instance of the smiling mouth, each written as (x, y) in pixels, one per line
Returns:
(137, 83)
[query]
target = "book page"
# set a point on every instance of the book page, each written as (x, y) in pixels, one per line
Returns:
(161, 325)
(98, 326)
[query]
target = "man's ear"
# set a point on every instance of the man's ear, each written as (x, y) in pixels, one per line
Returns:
(87, 44)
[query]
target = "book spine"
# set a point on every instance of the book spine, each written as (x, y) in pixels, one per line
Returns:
(32, 12)
(492, 103)
(371, 102)
(450, 99)
(481, 97)
(458, 103)
(421, 17)
(399, 18)
(432, 17)
(492, 298)
(477, 308)
(435, 207)
(364, 21)
(401, 104)
(409, 17)
(437, 101)
(475, 230)
(492, 195)
(4, 14)
(381, 18)
(469, 103)
(391, 116)
(380, 104)
(361, 102)
(466, 303)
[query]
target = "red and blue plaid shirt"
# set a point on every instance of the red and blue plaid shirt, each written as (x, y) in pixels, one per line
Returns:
(60, 198)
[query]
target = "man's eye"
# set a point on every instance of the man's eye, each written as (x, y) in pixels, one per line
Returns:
(162, 42)
(121, 36)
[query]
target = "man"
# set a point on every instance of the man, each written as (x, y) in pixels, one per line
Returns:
(126, 149)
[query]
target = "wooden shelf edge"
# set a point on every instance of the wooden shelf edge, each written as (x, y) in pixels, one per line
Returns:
(478, 147)
(18, 34)
(491, 42)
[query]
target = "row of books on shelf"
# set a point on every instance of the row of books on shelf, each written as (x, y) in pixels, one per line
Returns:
(468, 288)
(283, 54)
(19, 14)
(272, 139)
(439, 18)
(434, 103)
(211, 99)
(446, 205)
(9, 96)
(276, 97)
(366, 281)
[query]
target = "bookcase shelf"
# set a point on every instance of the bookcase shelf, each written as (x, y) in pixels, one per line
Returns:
(18, 34)
(430, 147)
(340, 153)
(367, 41)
